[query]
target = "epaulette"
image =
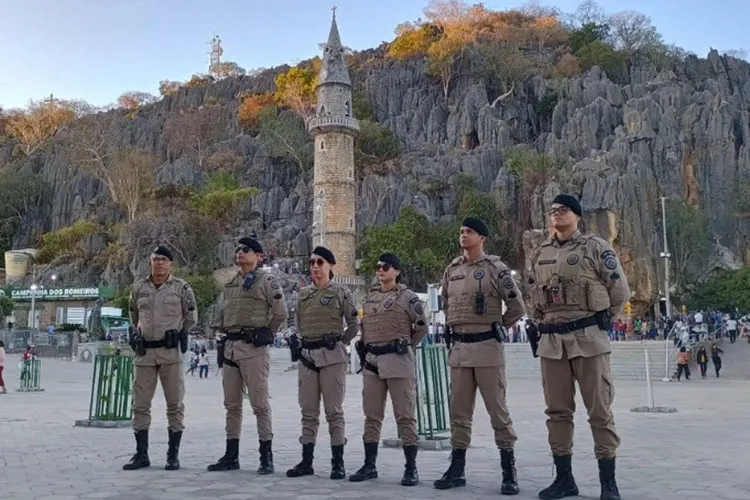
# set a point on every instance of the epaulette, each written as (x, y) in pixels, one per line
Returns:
(457, 261)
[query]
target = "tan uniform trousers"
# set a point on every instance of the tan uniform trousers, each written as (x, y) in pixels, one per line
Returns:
(597, 390)
(491, 383)
(253, 374)
(330, 383)
(172, 382)
(403, 397)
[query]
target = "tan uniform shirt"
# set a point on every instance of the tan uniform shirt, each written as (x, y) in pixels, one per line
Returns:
(462, 281)
(394, 314)
(263, 305)
(322, 311)
(571, 281)
(154, 310)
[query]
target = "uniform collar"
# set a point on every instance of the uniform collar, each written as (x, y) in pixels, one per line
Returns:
(573, 238)
(482, 256)
(170, 278)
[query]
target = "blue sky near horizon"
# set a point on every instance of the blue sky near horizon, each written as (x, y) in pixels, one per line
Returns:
(96, 50)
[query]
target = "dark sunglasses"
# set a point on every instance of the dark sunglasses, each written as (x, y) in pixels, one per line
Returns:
(243, 249)
(559, 210)
(383, 266)
(316, 262)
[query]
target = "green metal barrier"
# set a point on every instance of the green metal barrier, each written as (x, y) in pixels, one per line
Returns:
(433, 392)
(111, 388)
(31, 376)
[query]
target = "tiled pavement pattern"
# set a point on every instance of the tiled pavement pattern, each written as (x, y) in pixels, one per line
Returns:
(701, 452)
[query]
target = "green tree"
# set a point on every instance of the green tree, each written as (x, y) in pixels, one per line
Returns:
(222, 198)
(206, 291)
(66, 241)
(20, 193)
(587, 34)
(375, 144)
(727, 291)
(612, 62)
(689, 240)
(6, 306)
(285, 138)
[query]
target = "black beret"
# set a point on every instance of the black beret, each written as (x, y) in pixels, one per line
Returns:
(569, 201)
(252, 244)
(391, 259)
(162, 250)
(325, 253)
(477, 225)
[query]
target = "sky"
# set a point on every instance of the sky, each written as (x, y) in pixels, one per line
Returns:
(97, 49)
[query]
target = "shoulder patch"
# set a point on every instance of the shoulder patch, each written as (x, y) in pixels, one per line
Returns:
(606, 254)
(508, 283)
(610, 262)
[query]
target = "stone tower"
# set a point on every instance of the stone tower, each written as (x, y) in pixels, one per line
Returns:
(334, 180)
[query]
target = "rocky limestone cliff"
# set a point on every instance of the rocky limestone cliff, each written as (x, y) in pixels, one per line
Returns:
(680, 132)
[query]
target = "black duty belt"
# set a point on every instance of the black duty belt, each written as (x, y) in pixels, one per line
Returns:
(315, 344)
(235, 336)
(231, 363)
(471, 338)
(308, 364)
(153, 344)
(394, 347)
(560, 328)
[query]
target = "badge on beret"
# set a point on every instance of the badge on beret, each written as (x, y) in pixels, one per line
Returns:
(388, 303)
(478, 275)
(325, 300)
(610, 262)
(573, 259)
(508, 283)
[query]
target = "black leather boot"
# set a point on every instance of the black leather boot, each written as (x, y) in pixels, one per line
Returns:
(266, 458)
(454, 476)
(369, 470)
(231, 458)
(140, 459)
(411, 476)
(173, 452)
(305, 467)
(337, 462)
(607, 479)
(564, 484)
(510, 481)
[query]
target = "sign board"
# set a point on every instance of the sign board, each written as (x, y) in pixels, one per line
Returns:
(81, 293)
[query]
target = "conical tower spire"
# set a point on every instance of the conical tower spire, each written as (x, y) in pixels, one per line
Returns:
(334, 68)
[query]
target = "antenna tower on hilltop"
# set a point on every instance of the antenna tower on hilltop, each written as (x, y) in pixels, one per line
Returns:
(216, 52)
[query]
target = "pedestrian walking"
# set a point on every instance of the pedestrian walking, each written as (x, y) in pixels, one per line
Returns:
(253, 308)
(475, 287)
(323, 359)
(3, 390)
(576, 286)
(716, 358)
(702, 360)
(392, 326)
(162, 308)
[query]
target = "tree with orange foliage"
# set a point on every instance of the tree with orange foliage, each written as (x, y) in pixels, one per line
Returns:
(249, 112)
(131, 101)
(169, 87)
(34, 126)
(413, 40)
(295, 89)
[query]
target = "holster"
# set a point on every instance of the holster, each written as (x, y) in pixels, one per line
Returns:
(604, 319)
(401, 346)
(534, 342)
(499, 331)
(330, 341)
(172, 339)
(359, 346)
(183, 341)
(259, 337)
(220, 351)
(448, 335)
(136, 343)
(294, 347)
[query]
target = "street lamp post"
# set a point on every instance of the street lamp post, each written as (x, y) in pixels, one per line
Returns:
(33, 296)
(665, 254)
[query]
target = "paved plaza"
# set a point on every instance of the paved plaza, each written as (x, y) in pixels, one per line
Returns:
(701, 452)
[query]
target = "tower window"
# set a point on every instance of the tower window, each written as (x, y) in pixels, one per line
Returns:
(351, 222)
(322, 145)
(351, 173)
(348, 109)
(322, 111)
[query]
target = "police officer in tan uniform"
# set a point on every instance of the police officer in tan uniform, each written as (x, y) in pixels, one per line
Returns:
(253, 309)
(163, 310)
(475, 286)
(576, 286)
(323, 307)
(392, 326)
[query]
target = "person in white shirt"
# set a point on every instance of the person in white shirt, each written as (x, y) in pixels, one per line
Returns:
(731, 326)
(203, 364)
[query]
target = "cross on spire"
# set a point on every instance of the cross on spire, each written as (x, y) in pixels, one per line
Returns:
(334, 10)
